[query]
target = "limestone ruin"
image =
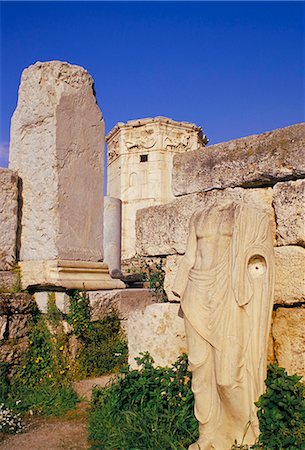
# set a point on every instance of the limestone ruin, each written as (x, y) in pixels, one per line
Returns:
(57, 149)
(140, 155)
(266, 171)
(51, 211)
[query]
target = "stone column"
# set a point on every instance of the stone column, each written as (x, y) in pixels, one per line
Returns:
(112, 234)
(57, 148)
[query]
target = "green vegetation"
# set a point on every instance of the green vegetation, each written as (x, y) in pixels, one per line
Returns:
(150, 408)
(153, 409)
(281, 412)
(39, 385)
(153, 274)
(42, 383)
(101, 347)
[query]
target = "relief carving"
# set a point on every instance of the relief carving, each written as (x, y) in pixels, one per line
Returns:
(178, 142)
(141, 139)
(113, 150)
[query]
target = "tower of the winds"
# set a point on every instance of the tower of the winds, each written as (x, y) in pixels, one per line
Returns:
(140, 155)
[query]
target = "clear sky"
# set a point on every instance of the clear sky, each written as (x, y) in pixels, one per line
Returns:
(234, 68)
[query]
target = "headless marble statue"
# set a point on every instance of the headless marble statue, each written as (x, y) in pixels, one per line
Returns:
(225, 282)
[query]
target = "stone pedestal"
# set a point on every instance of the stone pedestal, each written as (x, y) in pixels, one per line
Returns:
(158, 330)
(57, 148)
(112, 234)
(81, 275)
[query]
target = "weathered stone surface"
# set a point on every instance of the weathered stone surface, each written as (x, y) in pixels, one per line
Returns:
(16, 303)
(18, 325)
(289, 275)
(3, 326)
(124, 302)
(9, 280)
(8, 217)
(12, 354)
(57, 148)
(289, 206)
(171, 267)
(251, 161)
(163, 230)
(62, 301)
(270, 346)
(159, 330)
(288, 331)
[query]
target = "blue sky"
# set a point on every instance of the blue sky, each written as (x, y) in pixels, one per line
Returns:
(234, 68)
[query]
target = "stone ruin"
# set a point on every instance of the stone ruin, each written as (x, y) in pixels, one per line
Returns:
(52, 205)
(266, 171)
(140, 159)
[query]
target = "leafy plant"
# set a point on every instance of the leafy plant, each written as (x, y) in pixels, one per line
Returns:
(101, 346)
(79, 316)
(4, 382)
(150, 408)
(39, 385)
(153, 274)
(281, 412)
(102, 350)
(54, 316)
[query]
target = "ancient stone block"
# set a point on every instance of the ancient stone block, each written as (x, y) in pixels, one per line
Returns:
(83, 275)
(57, 148)
(256, 160)
(171, 267)
(159, 330)
(17, 303)
(163, 230)
(289, 275)
(124, 302)
(289, 206)
(288, 331)
(18, 325)
(12, 354)
(62, 301)
(9, 280)
(8, 218)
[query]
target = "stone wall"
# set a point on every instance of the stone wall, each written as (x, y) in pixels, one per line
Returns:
(268, 171)
(16, 311)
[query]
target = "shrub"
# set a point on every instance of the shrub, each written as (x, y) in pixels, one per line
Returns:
(102, 349)
(153, 274)
(150, 408)
(281, 412)
(101, 346)
(39, 385)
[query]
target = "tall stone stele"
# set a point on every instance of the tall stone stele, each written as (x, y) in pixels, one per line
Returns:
(57, 148)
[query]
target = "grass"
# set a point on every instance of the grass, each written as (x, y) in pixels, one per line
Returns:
(149, 409)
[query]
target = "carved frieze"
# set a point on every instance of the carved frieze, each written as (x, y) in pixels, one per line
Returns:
(141, 139)
(178, 142)
(113, 150)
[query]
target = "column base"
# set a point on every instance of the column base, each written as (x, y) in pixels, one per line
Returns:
(83, 275)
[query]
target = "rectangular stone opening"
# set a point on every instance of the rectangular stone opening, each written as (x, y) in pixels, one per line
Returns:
(143, 158)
